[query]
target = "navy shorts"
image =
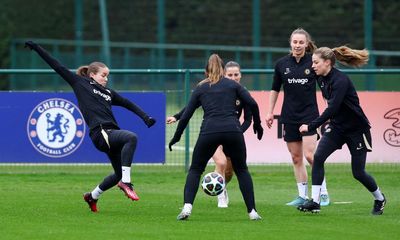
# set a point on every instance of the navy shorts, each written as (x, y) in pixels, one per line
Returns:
(360, 141)
(291, 132)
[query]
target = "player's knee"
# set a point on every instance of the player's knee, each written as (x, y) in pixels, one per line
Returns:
(358, 175)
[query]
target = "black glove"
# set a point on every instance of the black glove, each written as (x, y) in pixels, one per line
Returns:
(174, 140)
(258, 130)
(149, 121)
(29, 44)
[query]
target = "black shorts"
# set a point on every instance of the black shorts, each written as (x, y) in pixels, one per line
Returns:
(356, 142)
(291, 132)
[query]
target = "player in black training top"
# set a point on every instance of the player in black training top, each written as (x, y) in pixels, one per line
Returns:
(217, 96)
(95, 101)
(348, 123)
(223, 164)
(298, 79)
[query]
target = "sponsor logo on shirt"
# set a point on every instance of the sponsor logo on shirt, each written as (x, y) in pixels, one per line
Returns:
(287, 71)
(105, 96)
(56, 127)
(297, 80)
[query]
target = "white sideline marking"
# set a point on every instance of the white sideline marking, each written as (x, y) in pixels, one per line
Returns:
(342, 202)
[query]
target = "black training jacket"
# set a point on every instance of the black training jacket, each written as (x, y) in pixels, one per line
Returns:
(240, 107)
(94, 100)
(344, 110)
(219, 105)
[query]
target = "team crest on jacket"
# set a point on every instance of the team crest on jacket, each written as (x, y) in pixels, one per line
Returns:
(237, 102)
(56, 127)
(307, 71)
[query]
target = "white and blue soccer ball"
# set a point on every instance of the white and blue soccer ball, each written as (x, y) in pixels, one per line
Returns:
(213, 184)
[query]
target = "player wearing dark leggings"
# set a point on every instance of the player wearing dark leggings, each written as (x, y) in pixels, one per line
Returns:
(217, 96)
(95, 101)
(348, 123)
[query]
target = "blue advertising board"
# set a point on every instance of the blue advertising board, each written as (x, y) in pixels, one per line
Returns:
(42, 127)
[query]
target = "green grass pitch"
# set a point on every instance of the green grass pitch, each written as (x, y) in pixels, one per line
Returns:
(45, 202)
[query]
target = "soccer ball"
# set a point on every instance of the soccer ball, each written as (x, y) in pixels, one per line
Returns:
(213, 184)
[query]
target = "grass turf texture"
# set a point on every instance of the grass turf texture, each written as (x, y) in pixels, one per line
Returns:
(45, 202)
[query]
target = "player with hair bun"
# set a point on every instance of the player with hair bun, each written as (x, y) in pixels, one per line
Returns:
(348, 123)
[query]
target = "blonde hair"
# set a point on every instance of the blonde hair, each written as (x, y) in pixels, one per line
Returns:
(214, 69)
(311, 45)
(345, 55)
(94, 67)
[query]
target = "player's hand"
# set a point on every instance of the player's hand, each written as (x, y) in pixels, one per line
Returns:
(149, 121)
(303, 128)
(269, 119)
(171, 120)
(29, 44)
(174, 140)
(258, 130)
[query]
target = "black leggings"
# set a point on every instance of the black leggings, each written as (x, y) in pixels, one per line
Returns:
(358, 159)
(234, 146)
(120, 149)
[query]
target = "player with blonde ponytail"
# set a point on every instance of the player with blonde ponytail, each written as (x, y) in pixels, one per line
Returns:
(348, 123)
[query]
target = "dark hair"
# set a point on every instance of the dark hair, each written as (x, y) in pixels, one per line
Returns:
(91, 68)
(345, 55)
(214, 69)
(311, 45)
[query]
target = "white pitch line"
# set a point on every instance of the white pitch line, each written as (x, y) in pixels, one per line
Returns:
(342, 202)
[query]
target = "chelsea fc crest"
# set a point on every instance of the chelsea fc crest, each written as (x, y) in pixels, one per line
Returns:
(56, 127)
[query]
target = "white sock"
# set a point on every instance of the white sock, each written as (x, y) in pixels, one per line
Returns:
(302, 187)
(187, 207)
(316, 192)
(324, 189)
(378, 195)
(96, 193)
(126, 174)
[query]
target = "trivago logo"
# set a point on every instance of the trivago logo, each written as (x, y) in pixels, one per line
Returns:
(392, 136)
(56, 127)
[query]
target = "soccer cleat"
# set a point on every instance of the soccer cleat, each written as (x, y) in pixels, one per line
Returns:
(297, 202)
(310, 206)
(379, 206)
(223, 199)
(127, 188)
(90, 201)
(324, 200)
(183, 215)
(253, 215)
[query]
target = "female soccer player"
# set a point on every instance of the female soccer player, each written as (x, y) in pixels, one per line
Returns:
(348, 123)
(295, 74)
(217, 96)
(223, 165)
(95, 100)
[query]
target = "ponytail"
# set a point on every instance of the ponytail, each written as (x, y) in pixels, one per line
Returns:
(83, 71)
(214, 69)
(351, 57)
(345, 55)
